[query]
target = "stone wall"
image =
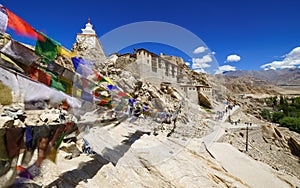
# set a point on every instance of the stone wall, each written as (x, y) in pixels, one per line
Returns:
(156, 69)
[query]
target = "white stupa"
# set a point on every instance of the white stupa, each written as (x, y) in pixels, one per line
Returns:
(88, 28)
(88, 45)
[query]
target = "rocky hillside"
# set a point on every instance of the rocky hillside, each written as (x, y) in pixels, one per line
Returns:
(238, 89)
(277, 77)
(249, 85)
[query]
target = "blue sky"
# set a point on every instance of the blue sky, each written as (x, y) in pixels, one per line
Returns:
(257, 33)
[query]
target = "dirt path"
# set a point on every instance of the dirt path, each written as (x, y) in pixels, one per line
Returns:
(240, 165)
(252, 172)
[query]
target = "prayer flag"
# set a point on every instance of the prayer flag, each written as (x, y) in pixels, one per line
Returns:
(76, 62)
(105, 102)
(109, 81)
(19, 53)
(21, 27)
(14, 141)
(122, 94)
(63, 51)
(47, 48)
(29, 137)
(13, 64)
(3, 150)
(53, 152)
(3, 19)
(98, 76)
(111, 87)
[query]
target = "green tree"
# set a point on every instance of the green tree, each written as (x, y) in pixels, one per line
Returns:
(290, 122)
(265, 113)
(274, 101)
(281, 100)
(277, 116)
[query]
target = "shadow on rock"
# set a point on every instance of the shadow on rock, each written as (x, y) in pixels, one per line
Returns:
(88, 170)
(115, 154)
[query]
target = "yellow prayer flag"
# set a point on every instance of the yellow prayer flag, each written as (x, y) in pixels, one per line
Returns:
(109, 81)
(52, 155)
(7, 59)
(63, 51)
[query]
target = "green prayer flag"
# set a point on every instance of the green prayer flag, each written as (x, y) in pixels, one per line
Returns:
(47, 49)
(59, 141)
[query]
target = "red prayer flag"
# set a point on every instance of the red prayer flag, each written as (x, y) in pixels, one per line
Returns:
(104, 102)
(97, 76)
(21, 27)
(122, 94)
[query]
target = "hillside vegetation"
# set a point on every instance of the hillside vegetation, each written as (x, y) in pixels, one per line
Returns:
(285, 111)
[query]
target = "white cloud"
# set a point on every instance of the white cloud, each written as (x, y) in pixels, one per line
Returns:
(200, 70)
(213, 53)
(199, 50)
(224, 68)
(290, 60)
(187, 63)
(233, 58)
(201, 63)
(204, 59)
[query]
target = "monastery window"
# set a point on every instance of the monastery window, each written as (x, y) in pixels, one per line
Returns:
(154, 66)
(178, 80)
(160, 62)
(173, 71)
(167, 69)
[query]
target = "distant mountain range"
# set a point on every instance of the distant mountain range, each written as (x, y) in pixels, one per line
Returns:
(290, 77)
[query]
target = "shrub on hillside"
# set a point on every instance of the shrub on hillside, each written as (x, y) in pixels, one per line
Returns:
(265, 113)
(277, 116)
(290, 122)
